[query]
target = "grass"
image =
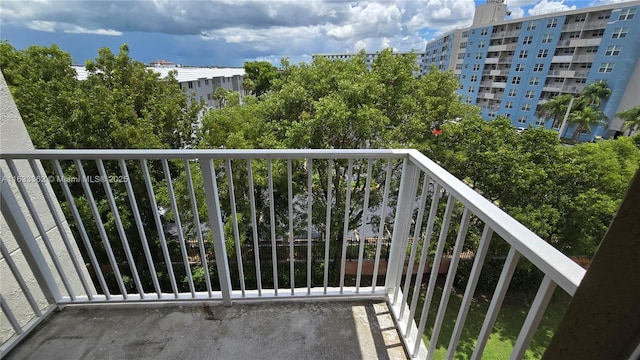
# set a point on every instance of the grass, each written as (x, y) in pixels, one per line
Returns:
(505, 332)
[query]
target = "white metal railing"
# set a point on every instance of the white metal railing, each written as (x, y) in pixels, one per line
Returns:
(259, 202)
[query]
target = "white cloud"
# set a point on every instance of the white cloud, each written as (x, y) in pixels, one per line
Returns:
(47, 26)
(367, 20)
(517, 12)
(546, 7)
(82, 30)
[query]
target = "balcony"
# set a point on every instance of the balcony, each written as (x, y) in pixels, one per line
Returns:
(269, 253)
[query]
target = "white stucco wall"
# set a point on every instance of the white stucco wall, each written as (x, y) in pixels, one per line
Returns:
(14, 136)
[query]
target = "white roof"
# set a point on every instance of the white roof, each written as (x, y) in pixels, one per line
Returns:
(183, 73)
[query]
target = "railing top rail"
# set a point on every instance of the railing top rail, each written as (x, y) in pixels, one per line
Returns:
(564, 272)
(117, 154)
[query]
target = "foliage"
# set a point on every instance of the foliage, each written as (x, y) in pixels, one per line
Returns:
(259, 76)
(631, 118)
(584, 118)
(567, 195)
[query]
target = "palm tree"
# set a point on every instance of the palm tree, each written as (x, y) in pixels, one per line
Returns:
(584, 118)
(555, 108)
(631, 119)
(593, 94)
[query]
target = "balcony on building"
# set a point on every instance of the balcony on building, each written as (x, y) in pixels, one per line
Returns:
(256, 264)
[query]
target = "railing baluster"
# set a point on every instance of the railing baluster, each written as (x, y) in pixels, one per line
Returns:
(120, 228)
(327, 238)
(196, 223)
(496, 302)
(51, 205)
(140, 227)
(345, 230)
(433, 211)
(451, 274)
(309, 220)
(101, 230)
(435, 268)
(43, 233)
(254, 224)
(217, 228)
(480, 255)
(534, 316)
(404, 209)
(414, 246)
(159, 228)
(385, 198)
(234, 219)
(9, 314)
(272, 220)
(83, 232)
(176, 218)
(291, 243)
(365, 215)
(18, 276)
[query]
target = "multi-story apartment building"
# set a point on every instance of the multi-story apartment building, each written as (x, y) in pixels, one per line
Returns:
(370, 58)
(198, 83)
(510, 67)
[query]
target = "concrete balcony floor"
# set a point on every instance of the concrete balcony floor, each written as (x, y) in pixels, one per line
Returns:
(264, 330)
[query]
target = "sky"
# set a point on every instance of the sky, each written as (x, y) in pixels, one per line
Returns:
(230, 32)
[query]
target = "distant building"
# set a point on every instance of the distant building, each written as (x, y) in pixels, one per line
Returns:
(510, 67)
(162, 63)
(197, 82)
(370, 58)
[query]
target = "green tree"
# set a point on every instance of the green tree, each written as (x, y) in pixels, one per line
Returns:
(593, 95)
(631, 118)
(583, 119)
(259, 76)
(555, 108)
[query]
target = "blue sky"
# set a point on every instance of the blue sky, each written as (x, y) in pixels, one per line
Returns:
(229, 32)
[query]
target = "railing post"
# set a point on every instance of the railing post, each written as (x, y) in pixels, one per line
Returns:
(24, 237)
(406, 199)
(217, 228)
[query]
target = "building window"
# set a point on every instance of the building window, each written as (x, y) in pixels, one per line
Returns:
(463, 45)
(534, 81)
(198, 83)
(523, 54)
(546, 38)
(508, 105)
(531, 25)
(522, 119)
(627, 14)
(551, 23)
(606, 67)
(474, 78)
(206, 81)
(527, 40)
(485, 31)
(492, 113)
(598, 33)
(543, 53)
(538, 67)
(471, 89)
(190, 84)
(461, 56)
(458, 66)
(519, 67)
(526, 107)
(515, 80)
(481, 44)
(465, 34)
(512, 92)
(592, 49)
(540, 122)
(476, 67)
(620, 33)
(208, 96)
(478, 56)
(604, 15)
(613, 50)
(530, 94)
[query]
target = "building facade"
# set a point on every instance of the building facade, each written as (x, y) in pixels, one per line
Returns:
(510, 67)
